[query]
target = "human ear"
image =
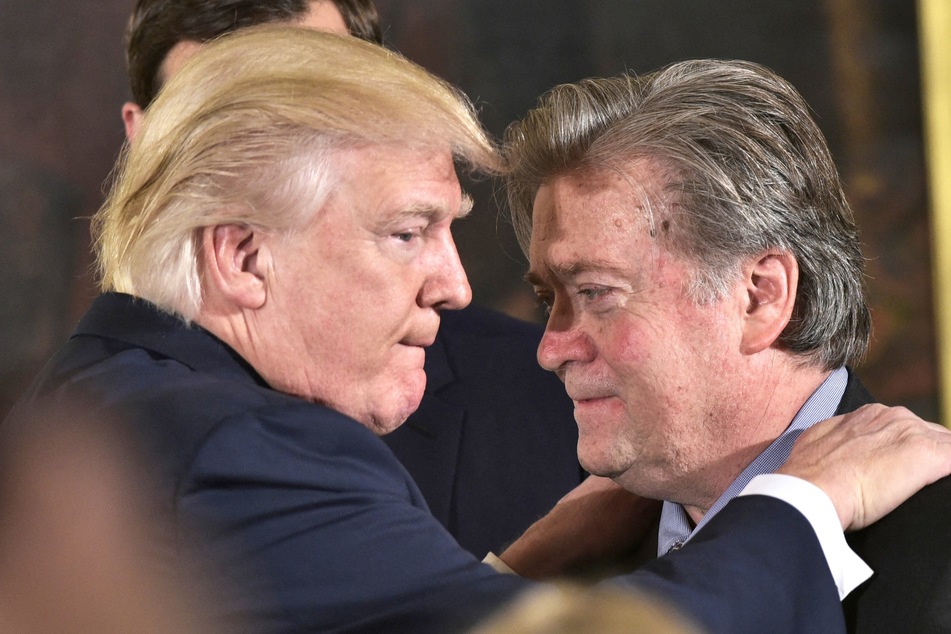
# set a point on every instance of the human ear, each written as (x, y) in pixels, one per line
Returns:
(770, 281)
(132, 115)
(236, 258)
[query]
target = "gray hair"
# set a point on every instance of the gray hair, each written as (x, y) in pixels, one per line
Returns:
(747, 170)
(246, 133)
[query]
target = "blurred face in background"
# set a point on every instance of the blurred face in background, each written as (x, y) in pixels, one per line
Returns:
(323, 16)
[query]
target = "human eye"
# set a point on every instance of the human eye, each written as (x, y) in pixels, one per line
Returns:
(407, 235)
(544, 300)
(594, 296)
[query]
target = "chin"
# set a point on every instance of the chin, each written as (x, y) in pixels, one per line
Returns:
(595, 464)
(602, 458)
(399, 408)
(409, 392)
(382, 427)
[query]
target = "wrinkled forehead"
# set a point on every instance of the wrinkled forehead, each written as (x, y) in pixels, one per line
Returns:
(583, 218)
(612, 197)
(389, 182)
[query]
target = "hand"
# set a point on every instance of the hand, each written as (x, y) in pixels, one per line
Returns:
(870, 461)
(595, 523)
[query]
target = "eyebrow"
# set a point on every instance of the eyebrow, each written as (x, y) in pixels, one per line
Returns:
(466, 207)
(433, 213)
(569, 270)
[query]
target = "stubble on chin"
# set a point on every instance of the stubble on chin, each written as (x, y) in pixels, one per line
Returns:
(406, 400)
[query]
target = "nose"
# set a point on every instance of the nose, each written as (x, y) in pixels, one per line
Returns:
(447, 286)
(564, 342)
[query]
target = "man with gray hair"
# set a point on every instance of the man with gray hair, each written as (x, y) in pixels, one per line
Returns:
(274, 255)
(705, 284)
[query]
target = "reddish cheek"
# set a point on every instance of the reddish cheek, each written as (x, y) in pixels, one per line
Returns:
(622, 345)
(641, 360)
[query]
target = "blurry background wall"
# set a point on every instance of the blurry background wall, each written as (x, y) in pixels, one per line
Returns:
(62, 83)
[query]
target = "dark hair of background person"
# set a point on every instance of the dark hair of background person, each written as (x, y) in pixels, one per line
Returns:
(156, 26)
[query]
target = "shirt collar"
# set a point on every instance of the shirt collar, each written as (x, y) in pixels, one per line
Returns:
(675, 527)
(135, 321)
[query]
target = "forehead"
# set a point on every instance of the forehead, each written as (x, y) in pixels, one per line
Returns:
(383, 181)
(606, 224)
(601, 210)
(324, 15)
(176, 57)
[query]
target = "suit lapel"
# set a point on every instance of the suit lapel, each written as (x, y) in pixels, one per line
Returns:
(428, 442)
(855, 396)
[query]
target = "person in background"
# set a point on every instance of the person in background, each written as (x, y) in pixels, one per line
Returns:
(79, 536)
(488, 460)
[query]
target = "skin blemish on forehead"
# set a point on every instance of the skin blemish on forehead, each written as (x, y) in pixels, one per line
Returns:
(631, 218)
(664, 228)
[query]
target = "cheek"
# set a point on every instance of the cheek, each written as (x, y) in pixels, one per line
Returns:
(374, 302)
(388, 309)
(647, 361)
(626, 345)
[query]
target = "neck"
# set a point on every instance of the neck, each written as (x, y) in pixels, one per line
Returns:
(762, 411)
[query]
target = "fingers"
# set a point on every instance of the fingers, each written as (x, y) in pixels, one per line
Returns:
(871, 460)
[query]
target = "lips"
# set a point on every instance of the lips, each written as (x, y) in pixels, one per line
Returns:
(589, 393)
(583, 387)
(421, 338)
(593, 402)
(419, 342)
(581, 396)
(423, 334)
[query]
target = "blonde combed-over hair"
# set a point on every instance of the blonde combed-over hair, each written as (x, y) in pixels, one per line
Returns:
(246, 133)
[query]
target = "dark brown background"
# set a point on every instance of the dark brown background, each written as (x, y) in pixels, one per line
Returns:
(856, 61)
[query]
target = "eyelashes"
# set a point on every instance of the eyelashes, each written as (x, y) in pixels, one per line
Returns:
(585, 297)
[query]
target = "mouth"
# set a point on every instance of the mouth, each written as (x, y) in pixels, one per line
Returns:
(589, 403)
(596, 403)
(587, 397)
(418, 342)
(422, 335)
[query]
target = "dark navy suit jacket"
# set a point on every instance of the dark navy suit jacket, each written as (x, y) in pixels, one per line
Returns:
(909, 551)
(318, 527)
(493, 444)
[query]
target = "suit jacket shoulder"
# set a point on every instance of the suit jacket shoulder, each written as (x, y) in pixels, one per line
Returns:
(910, 554)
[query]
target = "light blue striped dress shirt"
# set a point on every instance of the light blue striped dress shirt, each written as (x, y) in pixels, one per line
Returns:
(674, 522)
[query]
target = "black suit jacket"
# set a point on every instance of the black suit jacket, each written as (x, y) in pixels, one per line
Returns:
(493, 444)
(909, 551)
(319, 528)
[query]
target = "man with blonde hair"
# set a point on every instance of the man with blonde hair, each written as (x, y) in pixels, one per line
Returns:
(274, 255)
(488, 461)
